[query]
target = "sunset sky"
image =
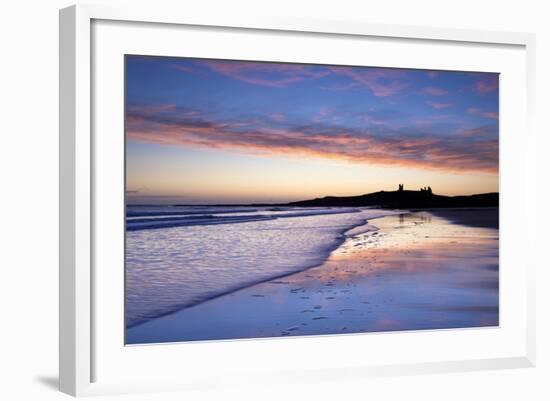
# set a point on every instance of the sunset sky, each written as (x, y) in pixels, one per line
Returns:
(213, 131)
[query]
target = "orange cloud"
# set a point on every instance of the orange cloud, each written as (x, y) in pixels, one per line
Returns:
(395, 148)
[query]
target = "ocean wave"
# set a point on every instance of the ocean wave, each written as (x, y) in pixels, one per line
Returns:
(222, 216)
(182, 266)
(151, 211)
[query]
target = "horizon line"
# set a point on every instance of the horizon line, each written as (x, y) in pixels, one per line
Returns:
(274, 203)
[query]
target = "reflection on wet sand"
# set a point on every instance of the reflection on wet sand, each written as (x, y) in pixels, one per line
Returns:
(412, 271)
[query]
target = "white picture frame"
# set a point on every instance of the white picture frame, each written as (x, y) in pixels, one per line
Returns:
(78, 218)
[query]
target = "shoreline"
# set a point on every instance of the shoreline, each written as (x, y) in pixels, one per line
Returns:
(339, 240)
(359, 288)
(177, 273)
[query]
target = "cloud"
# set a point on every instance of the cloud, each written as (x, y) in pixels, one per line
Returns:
(432, 74)
(488, 84)
(381, 82)
(277, 116)
(434, 91)
(439, 106)
(381, 146)
(184, 68)
(276, 75)
(493, 115)
(486, 132)
(323, 112)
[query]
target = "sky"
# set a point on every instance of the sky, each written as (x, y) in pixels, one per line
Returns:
(202, 131)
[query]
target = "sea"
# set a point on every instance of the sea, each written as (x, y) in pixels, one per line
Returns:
(180, 256)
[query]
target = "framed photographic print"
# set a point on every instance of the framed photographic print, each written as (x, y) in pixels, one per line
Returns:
(344, 193)
(229, 234)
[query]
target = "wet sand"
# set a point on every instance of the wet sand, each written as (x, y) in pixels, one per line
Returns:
(421, 270)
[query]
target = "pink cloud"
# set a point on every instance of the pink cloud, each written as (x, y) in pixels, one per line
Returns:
(439, 106)
(277, 116)
(433, 91)
(485, 132)
(184, 68)
(432, 74)
(381, 82)
(487, 85)
(485, 114)
(266, 74)
(323, 112)
(431, 121)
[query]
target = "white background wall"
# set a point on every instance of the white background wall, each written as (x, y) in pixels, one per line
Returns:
(28, 202)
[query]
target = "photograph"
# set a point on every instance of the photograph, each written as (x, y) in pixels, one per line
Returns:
(278, 199)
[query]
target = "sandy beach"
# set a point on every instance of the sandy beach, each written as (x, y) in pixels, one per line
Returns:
(419, 270)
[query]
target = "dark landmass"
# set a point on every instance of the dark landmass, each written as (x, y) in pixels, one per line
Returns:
(403, 199)
(399, 199)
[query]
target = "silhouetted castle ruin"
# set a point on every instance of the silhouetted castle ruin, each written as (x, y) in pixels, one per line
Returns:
(427, 190)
